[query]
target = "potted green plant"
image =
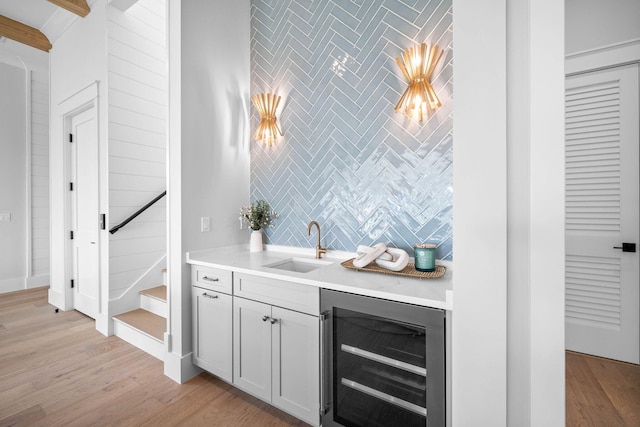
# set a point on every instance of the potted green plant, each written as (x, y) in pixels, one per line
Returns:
(256, 216)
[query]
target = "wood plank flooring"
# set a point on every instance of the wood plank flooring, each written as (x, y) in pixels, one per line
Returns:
(601, 392)
(57, 370)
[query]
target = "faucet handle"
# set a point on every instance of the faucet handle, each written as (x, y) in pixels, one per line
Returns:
(319, 251)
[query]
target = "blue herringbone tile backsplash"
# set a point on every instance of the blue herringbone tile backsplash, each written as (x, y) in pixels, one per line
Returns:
(347, 160)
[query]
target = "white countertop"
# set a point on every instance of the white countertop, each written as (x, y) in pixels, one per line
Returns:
(436, 293)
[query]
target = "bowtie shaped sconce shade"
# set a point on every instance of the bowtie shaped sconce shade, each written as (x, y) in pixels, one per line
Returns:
(268, 130)
(417, 64)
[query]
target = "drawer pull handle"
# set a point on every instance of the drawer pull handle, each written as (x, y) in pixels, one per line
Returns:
(274, 321)
(265, 318)
(210, 279)
(209, 296)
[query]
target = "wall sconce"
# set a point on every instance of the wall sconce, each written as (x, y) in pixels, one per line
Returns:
(268, 130)
(417, 64)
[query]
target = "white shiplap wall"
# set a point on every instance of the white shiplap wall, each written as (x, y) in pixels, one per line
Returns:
(39, 173)
(137, 93)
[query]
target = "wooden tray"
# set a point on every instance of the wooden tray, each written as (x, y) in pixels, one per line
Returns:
(408, 271)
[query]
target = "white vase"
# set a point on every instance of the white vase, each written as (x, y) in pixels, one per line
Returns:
(255, 244)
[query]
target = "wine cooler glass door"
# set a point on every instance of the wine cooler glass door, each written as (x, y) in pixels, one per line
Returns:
(386, 363)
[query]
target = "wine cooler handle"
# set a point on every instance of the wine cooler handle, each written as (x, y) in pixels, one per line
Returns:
(324, 402)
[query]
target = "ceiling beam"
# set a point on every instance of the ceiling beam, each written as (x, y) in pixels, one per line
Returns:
(25, 34)
(79, 7)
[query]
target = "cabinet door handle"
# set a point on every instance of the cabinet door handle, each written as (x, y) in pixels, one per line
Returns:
(210, 279)
(274, 321)
(209, 296)
(265, 318)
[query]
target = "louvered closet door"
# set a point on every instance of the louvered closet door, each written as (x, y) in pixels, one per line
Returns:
(602, 159)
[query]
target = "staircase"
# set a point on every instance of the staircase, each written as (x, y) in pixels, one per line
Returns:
(145, 327)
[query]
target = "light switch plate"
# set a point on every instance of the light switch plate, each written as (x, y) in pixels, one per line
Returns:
(5, 217)
(205, 223)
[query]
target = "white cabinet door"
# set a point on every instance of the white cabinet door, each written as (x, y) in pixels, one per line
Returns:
(295, 364)
(213, 332)
(252, 347)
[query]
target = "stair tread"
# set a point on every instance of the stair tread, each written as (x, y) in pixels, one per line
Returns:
(145, 321)
(159, 293)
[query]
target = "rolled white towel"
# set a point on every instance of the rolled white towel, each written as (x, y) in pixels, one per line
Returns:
(399, 261)
(362, 249)
(366, 258)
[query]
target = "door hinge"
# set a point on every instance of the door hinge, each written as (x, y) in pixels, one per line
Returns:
(71, 232)
(71, 186)
(103, 221)
(72, 284)
(70, 137)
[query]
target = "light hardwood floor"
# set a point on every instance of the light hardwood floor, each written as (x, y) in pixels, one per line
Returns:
(57, 370)
(601, 392)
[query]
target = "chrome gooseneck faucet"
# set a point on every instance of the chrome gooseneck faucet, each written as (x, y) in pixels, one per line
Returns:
(319, 249)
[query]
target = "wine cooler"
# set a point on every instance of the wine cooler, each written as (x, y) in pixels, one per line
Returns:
(383, 362)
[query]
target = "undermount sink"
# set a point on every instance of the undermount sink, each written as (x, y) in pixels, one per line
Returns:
(298, 265)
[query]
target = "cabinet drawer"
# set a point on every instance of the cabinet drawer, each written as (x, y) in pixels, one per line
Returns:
(294, 296)
(214, 279)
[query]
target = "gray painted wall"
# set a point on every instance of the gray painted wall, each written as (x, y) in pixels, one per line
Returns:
(214, 150)
(12, 177)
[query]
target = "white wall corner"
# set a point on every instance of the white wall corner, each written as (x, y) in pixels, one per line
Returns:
(547, 223)
(179, 368)
(104, 324)
(535, 87)
(479, 326)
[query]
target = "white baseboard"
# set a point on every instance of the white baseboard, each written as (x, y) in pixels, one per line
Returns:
(38, 281)
(11, 285)
(180, 368)
(103, 325)
(21, 283)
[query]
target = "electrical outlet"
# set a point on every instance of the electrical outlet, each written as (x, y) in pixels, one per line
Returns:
(5, 217)
(205, 223)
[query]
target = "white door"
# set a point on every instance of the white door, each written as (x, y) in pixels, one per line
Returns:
(85, 212)
(602, 296)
